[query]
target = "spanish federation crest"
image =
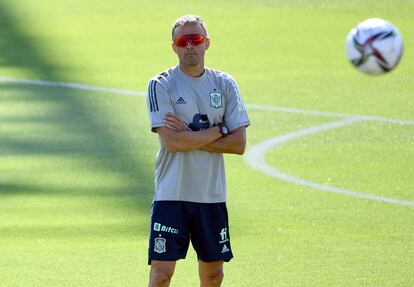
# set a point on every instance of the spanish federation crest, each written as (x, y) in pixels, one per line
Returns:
(159, 245)
(216, 100)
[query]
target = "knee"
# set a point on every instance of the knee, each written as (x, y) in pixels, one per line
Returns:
(160, 277)
(212, 279)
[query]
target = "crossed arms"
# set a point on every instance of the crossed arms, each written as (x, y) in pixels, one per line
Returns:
(177, 137)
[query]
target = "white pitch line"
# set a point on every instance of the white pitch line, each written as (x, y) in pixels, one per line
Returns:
(255, 156)
(84, 87)
(329, 114)
(75, 86)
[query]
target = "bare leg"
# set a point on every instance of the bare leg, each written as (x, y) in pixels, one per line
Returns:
(211, 273)
(161, 273)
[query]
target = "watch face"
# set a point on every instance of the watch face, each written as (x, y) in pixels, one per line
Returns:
(224, 130)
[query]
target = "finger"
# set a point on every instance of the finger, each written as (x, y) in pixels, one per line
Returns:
(173, 116)
(171, 119)
(175, 121)
(170, 115)
(172, 122)
(171, 127)
(167, 117)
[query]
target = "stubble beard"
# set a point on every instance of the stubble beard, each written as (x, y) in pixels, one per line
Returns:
(191, 61)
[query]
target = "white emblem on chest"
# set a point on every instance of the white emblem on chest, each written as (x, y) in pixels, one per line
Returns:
(216, 100)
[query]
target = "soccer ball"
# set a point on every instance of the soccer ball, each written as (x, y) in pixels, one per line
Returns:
(374, 46)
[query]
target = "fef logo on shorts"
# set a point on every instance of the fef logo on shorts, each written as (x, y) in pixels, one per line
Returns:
(160, 245)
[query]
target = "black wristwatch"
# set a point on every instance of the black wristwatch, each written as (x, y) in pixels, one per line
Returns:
(223, 130)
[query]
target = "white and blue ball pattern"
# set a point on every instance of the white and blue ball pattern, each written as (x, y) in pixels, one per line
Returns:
(374, 46)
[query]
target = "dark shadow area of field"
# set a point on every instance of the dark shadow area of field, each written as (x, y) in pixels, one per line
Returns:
(68, 127)
(69, 231)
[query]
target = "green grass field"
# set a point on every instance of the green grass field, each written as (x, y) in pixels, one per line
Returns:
(76, 166)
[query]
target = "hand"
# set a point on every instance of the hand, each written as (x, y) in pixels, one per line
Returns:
(175, 123)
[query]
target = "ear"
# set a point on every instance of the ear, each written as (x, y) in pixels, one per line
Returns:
(173, 47)
(207, 43)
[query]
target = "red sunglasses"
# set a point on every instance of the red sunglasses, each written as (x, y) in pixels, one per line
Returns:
(195, 39)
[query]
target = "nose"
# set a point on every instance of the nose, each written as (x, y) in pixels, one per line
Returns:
(190, 45)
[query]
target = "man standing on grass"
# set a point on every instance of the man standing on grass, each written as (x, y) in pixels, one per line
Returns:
(198, 115)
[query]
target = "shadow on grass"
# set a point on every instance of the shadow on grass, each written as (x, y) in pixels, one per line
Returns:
(64, 141)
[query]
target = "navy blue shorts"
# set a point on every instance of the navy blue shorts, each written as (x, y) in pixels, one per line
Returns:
(175, 223)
